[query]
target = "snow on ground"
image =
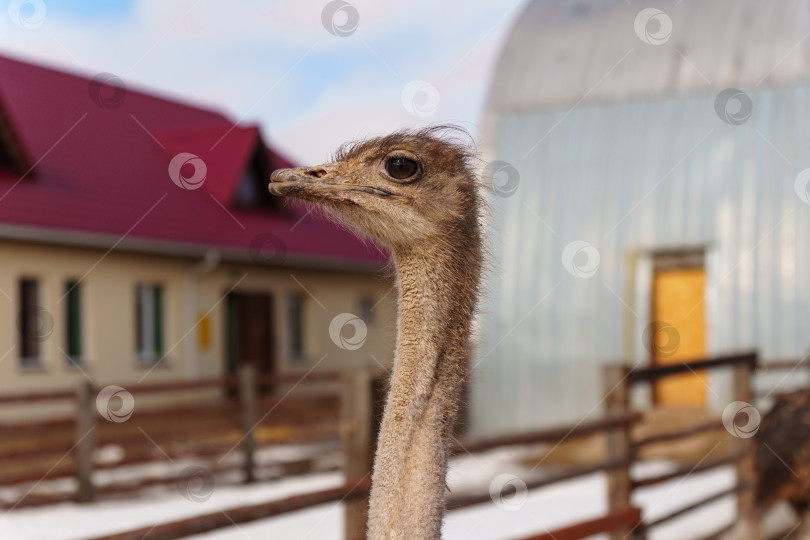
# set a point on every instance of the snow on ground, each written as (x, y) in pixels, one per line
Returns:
(70, 521)
(514, 516)
(659, 500)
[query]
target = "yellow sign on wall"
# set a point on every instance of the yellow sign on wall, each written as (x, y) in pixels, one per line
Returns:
(204, 332)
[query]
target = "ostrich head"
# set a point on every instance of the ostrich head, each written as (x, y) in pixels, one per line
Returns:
(405, 189)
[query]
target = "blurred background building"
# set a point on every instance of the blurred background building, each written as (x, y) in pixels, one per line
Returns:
(651, 200)
(138, 237)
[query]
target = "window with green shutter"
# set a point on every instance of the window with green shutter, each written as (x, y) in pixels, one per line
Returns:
(149, 322)
(73, 321)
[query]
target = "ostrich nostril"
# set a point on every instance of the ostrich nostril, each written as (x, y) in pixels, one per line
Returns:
(316, 173)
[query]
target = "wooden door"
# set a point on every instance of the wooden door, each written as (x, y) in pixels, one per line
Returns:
(680, 332)
(250, 332)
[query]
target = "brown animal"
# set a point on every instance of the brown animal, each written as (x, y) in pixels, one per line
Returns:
(781, 465)
(415, 193)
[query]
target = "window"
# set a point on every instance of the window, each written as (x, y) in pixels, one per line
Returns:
(11, 157)
(252, 193)
(73, 322)
(34, 324)
(295, 325)
(365, 309)
(149, 321)
(248, 190)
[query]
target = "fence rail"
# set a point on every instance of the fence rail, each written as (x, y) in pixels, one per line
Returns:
(244, 514)
(675, 435)
(624, 518)
(31, 397)
(583, 429)
(654, 373)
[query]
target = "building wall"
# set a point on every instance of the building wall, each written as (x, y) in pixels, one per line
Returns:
(326, 295)
(629, 178)
(108, 317)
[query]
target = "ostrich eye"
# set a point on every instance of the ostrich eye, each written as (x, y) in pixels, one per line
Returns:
(401, 168)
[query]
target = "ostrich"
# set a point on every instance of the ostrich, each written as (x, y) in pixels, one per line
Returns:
(415, 193)
(781, 465)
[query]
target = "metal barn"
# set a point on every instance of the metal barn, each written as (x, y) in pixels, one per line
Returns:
(650, 204)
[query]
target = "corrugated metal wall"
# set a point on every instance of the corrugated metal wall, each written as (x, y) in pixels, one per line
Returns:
(627, 178)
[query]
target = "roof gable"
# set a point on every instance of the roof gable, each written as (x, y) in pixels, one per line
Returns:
(226, 155)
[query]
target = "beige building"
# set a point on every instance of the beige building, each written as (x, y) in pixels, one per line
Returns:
(144, 247)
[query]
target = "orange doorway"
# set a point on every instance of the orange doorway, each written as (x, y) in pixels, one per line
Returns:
(679, 331)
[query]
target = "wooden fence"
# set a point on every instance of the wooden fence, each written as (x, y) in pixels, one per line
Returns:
(619, 380)
(359, 395)
(358, 446)
(787, 367)
(361, 406)
(206, 419)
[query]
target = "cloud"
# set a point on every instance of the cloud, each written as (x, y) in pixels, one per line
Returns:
(274, 63)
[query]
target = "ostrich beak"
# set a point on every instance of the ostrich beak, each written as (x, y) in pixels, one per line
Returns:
(304, 182)
(322, 182)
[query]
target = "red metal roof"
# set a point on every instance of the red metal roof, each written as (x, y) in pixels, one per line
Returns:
(104, 169)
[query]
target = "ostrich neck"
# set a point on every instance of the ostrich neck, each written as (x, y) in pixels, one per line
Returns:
(437, 294)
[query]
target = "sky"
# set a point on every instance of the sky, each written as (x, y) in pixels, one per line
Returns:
(311, 73)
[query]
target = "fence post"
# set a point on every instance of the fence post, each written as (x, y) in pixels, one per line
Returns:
(248, 403)
(85, 444)
(743, 389)
(619, 442)
(357, 440)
